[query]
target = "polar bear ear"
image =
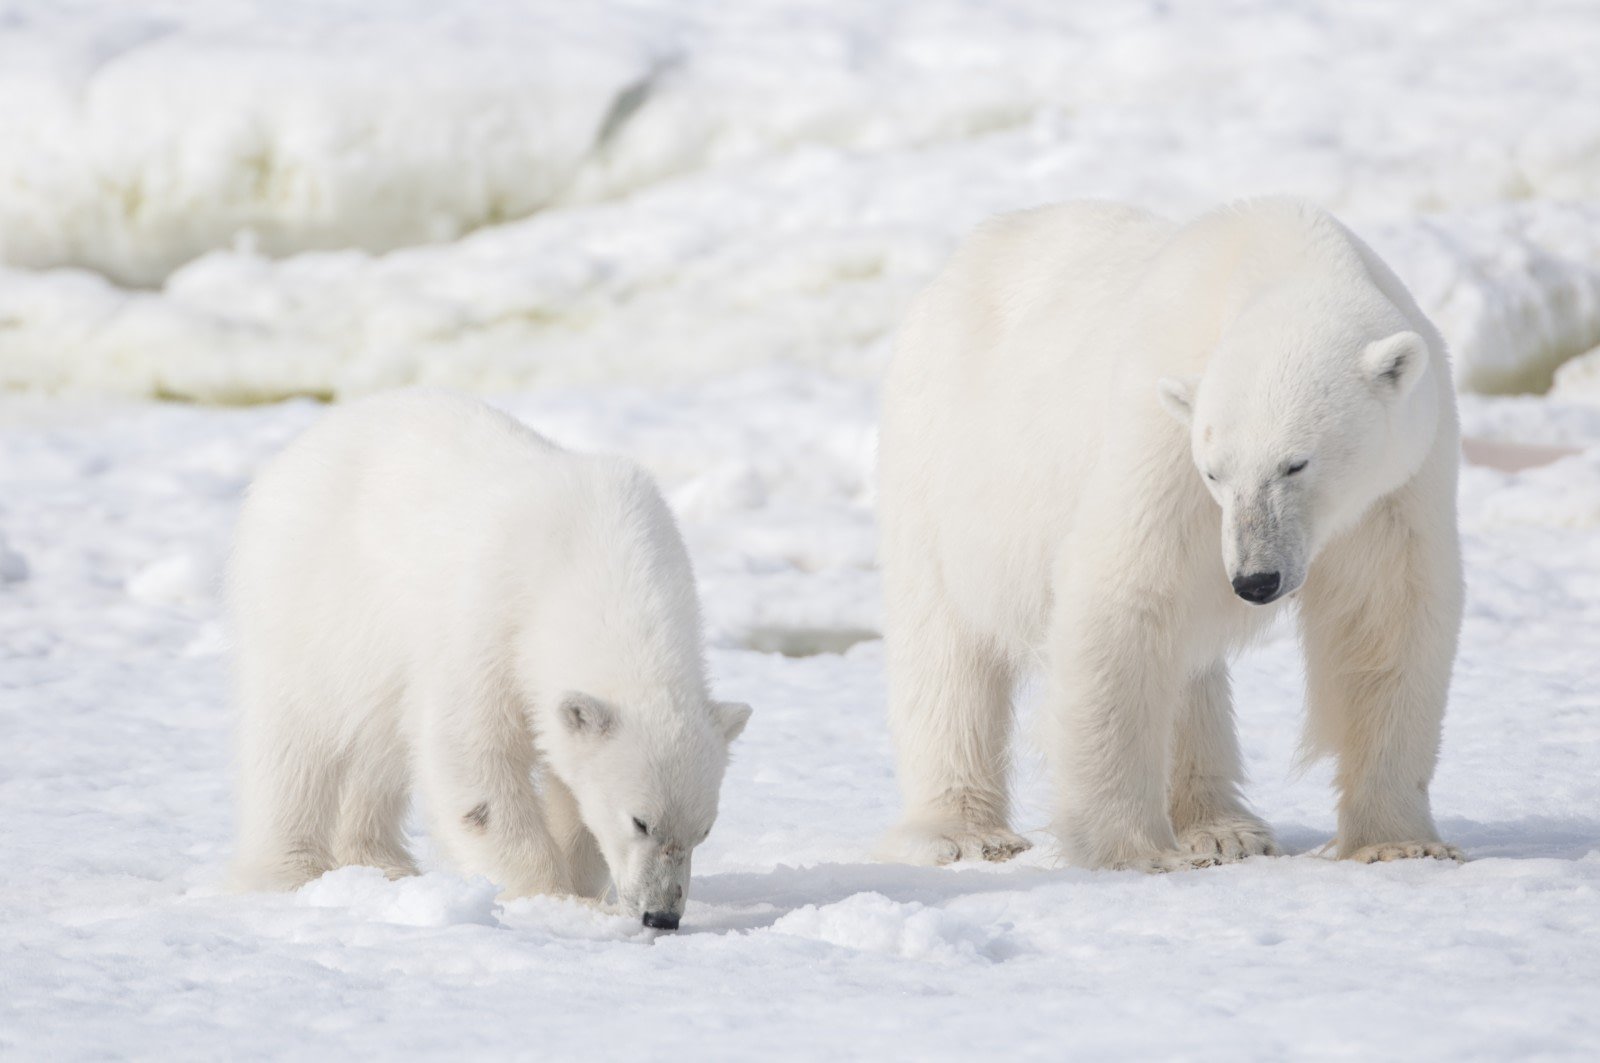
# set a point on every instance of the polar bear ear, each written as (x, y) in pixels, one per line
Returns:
(730, 717)
(1177, 396)
(582, 715)
(1395, 364)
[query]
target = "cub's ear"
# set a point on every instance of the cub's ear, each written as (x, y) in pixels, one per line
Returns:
(1177, 396)
(589, 717)
(1395, 364)
(730, 718)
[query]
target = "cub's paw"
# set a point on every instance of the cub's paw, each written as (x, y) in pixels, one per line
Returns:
(1230, 840)
(1386, 851)
(935, 846)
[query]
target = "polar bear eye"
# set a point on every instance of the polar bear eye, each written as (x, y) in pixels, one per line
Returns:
(640, 825)
(1296, 467)
(1211, 476)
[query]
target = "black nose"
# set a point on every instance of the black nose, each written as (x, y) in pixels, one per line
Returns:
(661, 920)
(1258, 587)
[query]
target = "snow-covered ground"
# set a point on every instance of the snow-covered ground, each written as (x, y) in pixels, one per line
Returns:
(681, 231)
(114, 777)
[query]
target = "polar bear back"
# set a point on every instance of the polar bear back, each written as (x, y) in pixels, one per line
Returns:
(406, 533)
(1017, 315)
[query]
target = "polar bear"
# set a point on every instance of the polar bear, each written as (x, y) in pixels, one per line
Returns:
(426, 591)
(1115, 446)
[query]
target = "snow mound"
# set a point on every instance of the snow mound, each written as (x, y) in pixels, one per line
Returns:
(435, 899)
(1515, 290)
(137, 141)
(871, 922)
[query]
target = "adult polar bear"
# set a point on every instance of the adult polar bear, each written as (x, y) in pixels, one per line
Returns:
(1081, 407)
(423, 587)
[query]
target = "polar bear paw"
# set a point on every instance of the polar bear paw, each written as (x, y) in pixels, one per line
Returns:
(1230, 841)
(935, 846)
(1386, 851)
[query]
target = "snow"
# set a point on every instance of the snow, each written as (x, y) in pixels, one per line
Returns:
(682, 232)
(1579, 377)
(497, 196)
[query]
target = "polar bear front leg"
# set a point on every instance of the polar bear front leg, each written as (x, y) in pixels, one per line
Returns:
(1113, 688)
(1208, 814)
(587, 873)
(475, 764)
(950, 716)
(376, 797)
(1380, 617)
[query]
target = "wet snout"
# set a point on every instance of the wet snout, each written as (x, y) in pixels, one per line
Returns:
(1258, 587)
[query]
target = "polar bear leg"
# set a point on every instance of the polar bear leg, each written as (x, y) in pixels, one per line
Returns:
(288, 799)
(950, 715)
(1380, 615)
(474, 764)
(587, 872)
(1114, 686)
(377, 795)
(1208, 814)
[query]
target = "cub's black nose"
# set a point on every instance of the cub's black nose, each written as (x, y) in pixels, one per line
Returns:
(1258, 587)
(661, 920)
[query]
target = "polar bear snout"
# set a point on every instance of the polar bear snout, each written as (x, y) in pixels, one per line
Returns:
(1258, 587)
(653, 886)
(1265, 540)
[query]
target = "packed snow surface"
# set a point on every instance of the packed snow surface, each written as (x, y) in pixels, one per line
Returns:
(682, 232)
(235, 200)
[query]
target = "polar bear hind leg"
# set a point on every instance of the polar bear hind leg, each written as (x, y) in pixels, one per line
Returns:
(950, 714)
(289, 783)
(377, 796)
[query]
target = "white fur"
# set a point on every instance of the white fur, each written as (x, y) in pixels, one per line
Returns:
(428, 594)
(1043, 502)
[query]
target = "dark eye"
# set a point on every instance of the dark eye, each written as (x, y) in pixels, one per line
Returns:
(1296, 467)
(1211, 476)
(640, 825)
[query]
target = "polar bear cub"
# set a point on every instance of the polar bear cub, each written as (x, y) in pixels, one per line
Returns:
(1116, 446)
(428, 594)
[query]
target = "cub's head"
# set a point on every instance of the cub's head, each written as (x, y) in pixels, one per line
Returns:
(1297, 436)
(647, 784)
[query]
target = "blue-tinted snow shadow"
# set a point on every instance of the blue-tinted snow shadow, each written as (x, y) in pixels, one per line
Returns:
(1530, 838)
(750, 900)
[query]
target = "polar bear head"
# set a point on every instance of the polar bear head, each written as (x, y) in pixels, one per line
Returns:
(646, 778)
(1297, 431)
